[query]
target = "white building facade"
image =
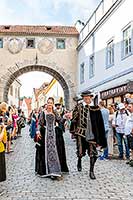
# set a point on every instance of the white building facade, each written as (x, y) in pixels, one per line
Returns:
(105, 51)
(41, 95)
(14, 93)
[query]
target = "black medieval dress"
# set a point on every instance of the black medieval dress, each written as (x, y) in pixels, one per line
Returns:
(61, 149)
(50, 150)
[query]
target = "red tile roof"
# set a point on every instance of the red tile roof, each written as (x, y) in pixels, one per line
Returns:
(35, 30)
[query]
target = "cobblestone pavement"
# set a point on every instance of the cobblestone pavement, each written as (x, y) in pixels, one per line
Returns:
(114, 178)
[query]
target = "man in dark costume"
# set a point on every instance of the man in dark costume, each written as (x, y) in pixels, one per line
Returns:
(88, 128)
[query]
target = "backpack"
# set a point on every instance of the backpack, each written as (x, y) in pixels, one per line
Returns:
(125, 112)
(20, 122)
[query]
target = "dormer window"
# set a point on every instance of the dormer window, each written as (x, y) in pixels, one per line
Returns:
(7, 27)
(48, 28)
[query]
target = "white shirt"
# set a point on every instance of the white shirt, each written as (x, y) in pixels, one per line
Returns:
(129, 124)
(120, 122)
(84, 104)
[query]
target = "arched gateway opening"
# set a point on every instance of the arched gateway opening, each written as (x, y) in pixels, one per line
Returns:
(19, 71)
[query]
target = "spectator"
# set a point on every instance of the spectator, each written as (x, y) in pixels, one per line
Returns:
(111, 132)
(3, 139)
(15, 117)
(20, 125)
(9, 129)
(129, 130)
(34, 123)
(118, 123)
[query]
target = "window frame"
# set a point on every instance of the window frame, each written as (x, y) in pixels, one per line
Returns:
(16, 93)
(57, 40)
(91, 75)
(2, 43)
(27, 47)
(110, 48)
(11, 90)
(123, 55)
(82, 73)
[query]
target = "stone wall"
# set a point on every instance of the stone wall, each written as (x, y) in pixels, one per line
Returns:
(16, 60)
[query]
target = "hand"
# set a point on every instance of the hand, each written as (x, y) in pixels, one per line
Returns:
(124, 136)
(38, 135)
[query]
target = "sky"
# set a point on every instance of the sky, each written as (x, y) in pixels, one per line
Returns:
(43, 12)
(32, 80)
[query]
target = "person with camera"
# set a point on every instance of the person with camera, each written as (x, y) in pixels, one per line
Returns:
(118, 123)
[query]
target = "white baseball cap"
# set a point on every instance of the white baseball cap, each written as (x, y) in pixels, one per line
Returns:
(121, 106)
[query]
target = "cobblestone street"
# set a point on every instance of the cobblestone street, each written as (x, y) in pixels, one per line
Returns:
(114, 178)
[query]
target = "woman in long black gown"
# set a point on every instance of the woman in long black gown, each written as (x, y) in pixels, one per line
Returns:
(48, 159)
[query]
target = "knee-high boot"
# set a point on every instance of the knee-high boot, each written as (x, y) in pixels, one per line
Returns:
(92, 163)
(79, 164)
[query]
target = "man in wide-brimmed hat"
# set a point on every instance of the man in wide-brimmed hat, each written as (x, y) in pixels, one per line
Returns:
(86, 94)
(88, 128)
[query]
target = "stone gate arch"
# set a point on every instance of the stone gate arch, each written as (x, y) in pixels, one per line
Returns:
(58, 73)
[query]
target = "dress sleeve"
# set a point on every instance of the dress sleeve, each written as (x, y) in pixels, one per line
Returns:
(74, 120)
(59, 121)
(41, 120)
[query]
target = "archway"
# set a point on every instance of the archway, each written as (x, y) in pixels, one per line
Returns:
(12, 76)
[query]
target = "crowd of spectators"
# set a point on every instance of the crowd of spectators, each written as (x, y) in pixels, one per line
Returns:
(12, 120)
(118, 122)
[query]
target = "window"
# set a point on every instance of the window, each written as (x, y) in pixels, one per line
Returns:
(82, 73)
(30, 43)
(93, 43)
(91, 66)
(16, 93)
(11, 90)
(127, 44)
(1, 43)
(7, 27)
(48, 28)
(110, 54)
(60, 44)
